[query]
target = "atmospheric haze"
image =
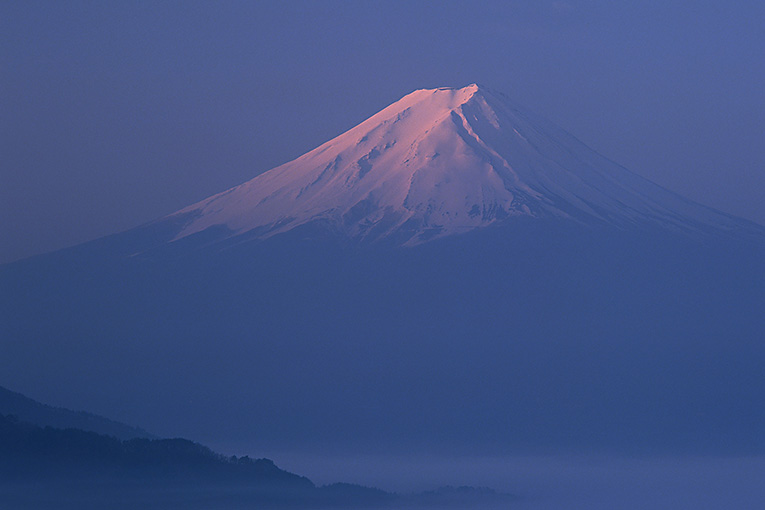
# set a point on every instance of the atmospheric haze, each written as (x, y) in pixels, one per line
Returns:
(454, 278)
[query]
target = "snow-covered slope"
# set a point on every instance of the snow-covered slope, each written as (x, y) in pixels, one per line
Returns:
(440, 162)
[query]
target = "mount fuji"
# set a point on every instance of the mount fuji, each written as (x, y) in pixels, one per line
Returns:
(455, 273)
(441, 162)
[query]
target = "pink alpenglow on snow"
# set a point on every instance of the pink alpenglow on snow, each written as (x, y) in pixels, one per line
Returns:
(440, 162)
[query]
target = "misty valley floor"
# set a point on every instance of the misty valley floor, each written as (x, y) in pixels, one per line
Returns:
(537, 483)
(559, 482)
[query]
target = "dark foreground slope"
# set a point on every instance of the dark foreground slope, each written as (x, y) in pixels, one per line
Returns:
(537, 336)
(35, 453)
(69, 468)
(57, 468)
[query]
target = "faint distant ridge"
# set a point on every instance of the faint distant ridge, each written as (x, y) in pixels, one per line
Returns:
(29, 410)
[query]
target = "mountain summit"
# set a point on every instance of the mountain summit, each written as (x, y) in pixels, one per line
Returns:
(440, 162)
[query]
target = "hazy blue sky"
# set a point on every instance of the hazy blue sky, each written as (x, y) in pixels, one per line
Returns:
(115, 113)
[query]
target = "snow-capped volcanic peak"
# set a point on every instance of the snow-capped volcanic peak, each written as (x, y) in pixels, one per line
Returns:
(439, 162)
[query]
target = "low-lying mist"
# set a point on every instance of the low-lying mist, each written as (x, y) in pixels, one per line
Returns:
(557, 482)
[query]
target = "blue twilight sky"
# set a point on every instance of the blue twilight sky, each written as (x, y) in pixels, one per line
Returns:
(115, 113)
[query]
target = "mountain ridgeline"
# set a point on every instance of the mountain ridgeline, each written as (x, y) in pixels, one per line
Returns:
(30, 452)
(454, 273)
(73, 468)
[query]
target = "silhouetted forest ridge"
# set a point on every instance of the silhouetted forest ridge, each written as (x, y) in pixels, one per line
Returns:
(29, 410)
(30, 451)
(73, 467)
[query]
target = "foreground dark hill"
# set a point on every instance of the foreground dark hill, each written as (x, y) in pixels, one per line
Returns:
(34, 453)
(72, 468)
